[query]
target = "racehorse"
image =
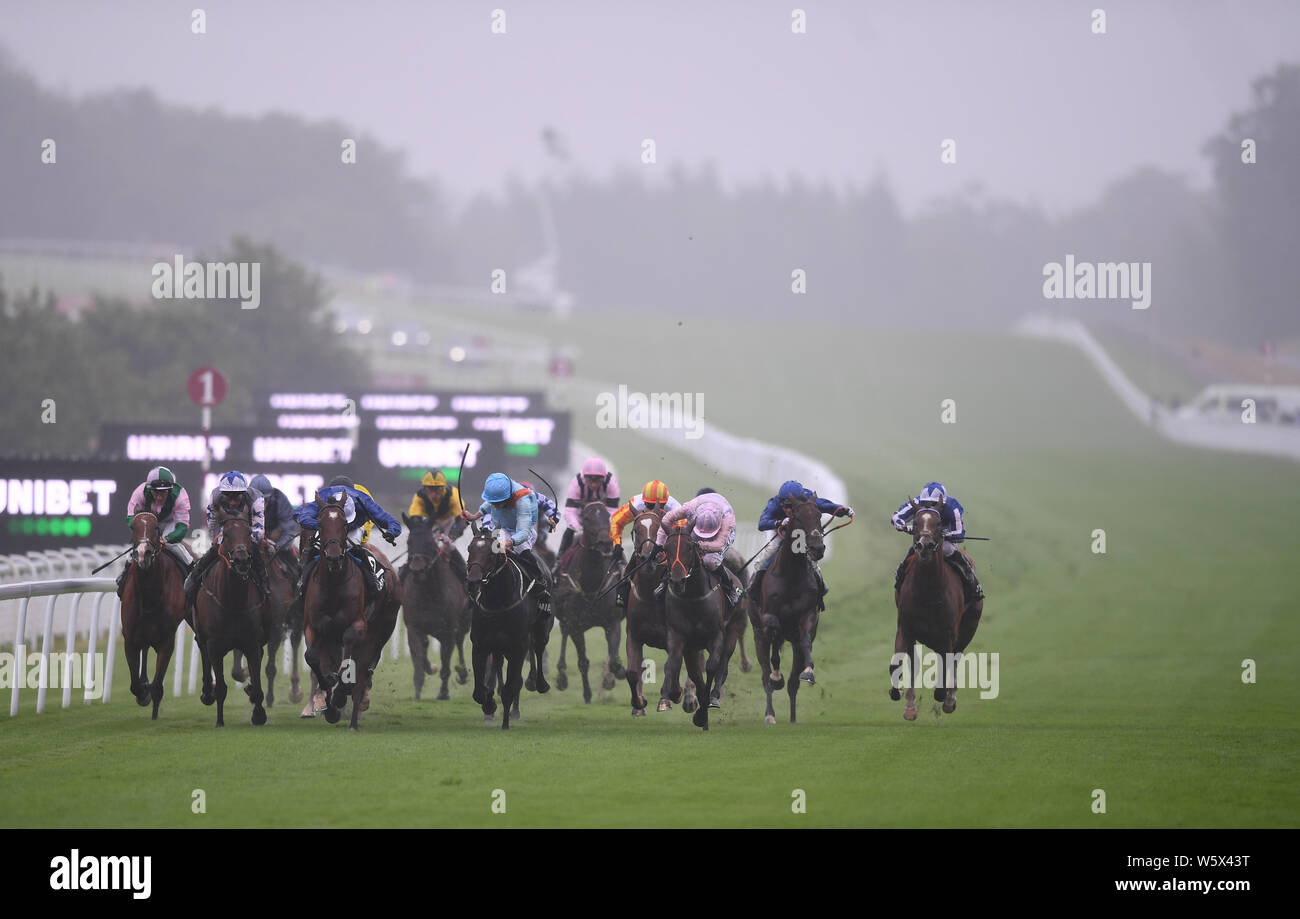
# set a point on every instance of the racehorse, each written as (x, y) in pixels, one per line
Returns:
(788, 607)
(286, 616)
(230, 613)
(434, 603)
(153, 606)
(500, 619)
(698, 620)
(931, 610)
(645, 616)
(346, 631)
(579, 605)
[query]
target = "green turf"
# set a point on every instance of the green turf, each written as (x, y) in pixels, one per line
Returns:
(1119, 672)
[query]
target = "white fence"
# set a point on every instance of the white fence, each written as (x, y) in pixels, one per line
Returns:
(1231, 435)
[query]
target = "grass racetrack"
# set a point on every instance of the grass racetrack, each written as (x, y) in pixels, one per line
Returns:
(1119, 671)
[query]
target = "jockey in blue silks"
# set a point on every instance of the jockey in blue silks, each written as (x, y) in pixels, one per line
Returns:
(358, 509)
(954, 531)
(513, 508)
(775, 514)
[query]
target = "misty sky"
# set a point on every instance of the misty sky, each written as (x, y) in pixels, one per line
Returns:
(1042, 110)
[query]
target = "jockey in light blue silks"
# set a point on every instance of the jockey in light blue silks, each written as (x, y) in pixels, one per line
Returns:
(513, 508)
(954, 531)
(775, 515)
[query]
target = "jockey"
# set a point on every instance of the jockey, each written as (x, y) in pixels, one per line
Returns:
(954, 531)
(361, 513)
(594, 483)
(654, 497)
(281, 527)
(440, 503)
(548, 515)
(513, 507)
(776, 515)
(160, 494)
(714, 525)
(233, 497)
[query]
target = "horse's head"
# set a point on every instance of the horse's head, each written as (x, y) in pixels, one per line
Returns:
(332, 531)
(683, 554)
(146, 538)
(595, 524)
(804, 516)
(645, 530)
(484, 557)
(927, 532)
(420, 543)
(237, 545)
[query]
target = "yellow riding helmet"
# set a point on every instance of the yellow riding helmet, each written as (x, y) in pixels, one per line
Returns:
(433, 479)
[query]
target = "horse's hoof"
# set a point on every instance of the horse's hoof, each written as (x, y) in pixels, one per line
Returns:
(638, 713)
(270, 700)
(488, 719)
(713, 703)
(443, 696)
(940, 694)
(895, 694)
(690, 704)
(351, 729)
(332, 715)
(620, 672)
(429, 669)
(664, 706)
(807, 676)
(295, 695)
(207, 698)
(530, 684)
(607, 681)
(462, 676)
(776, 681)
(769, 719)
(586, 697)
(542, 685)
(144, 700)
(746, 666)
(248, 690)
(318, 701)
(909, 714)
(561, 681)
(701, 719)
(309, 711)
(259, 716)
(239, 676)
(949, 706)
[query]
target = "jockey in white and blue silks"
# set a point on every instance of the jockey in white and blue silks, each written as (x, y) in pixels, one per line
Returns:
(233, 497)
(954, 531)
(775, 515)
(512, 507)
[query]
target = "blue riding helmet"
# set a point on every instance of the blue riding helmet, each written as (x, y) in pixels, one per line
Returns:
(261, 484)
(790, 489)
(497, 488)
(933, 493)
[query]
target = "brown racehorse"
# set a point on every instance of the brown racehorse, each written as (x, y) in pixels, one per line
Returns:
(434, 603)
(931, 610)
(345, 634)
(645, 616)
(230, 613)
(501, 618)
(788, 607)
(579, 606)
(698, 619)
(286, 616)
(153, 605)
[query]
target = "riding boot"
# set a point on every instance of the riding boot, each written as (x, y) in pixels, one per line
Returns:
(196, 575)
(261, 577)
(964, 567)
(121, 579)
(621, 594)
(305, 575)
(541, 591)
(735, 592)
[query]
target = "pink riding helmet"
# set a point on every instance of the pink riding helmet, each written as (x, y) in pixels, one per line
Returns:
(707, 522)
(594, 466)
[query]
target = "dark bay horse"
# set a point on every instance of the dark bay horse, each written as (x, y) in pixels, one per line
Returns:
(501, 617)
(153, 606)
(230, 614)
(932, 611)
(286, 616)
(584, 575)
(434, 603)
(787, 609)
(645, 617)
(698, 619)
(345, 634)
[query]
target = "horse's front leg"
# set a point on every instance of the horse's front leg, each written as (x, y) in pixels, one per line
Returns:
(613, 637)
(807, 624)
(698, 675)
(673, 670)
(162, 659)
(634, 673)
